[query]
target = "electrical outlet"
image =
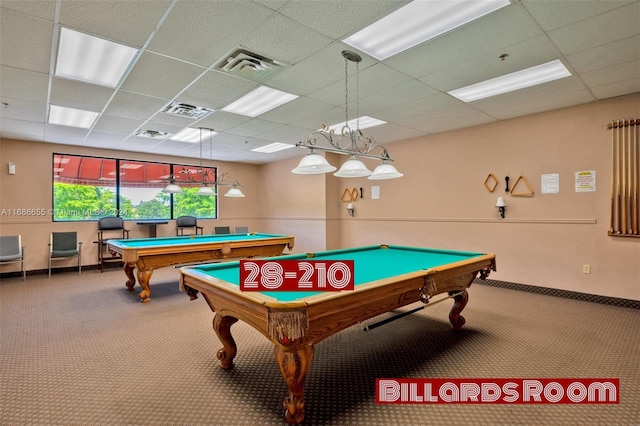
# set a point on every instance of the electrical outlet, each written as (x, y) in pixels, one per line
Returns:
(586, 269)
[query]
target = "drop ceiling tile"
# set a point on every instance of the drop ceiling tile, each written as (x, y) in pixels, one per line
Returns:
(296, 110)
(160, 76)
(161, 127)
(44, 9)
(174, 120)
(608, 27)
(456, 122)
(14, 44)
(314, 73)
(385, 98)
(617, 89)
(125, 21)
(253, 127)
(536, 105)
(106, 140)
(600, 57)
(285, 40)
(65, 135)
(79, 95)
(613, 74)
(133, 105)
(498, 30)
(338, 19)
(216, 90)
(22, 84)
(191, 28)
(117, 125)
(392, 132)
(554, 14)
(531, 52)
(21, 130)
(23, 110)
(371, 79)
(285, 134)
(222, 121)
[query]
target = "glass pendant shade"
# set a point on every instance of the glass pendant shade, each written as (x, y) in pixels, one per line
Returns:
(312, 164)
(353, 168)
(205, 190)
(385, 171)
(234, 192)
(172, 188)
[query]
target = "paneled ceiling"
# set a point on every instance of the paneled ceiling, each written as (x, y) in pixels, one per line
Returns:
(182, 43)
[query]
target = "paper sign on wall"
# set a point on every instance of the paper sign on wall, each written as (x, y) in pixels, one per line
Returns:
(586, 181)
(550, 183)
(375, 192)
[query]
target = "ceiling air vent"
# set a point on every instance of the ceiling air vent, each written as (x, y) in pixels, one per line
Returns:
(186, 110)
(250, 65)
(152, 134)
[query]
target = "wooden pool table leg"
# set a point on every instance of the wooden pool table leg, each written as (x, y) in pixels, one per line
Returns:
(144, 276)
(222, 327)
(294, 365)
(460, 301)
(131, 279)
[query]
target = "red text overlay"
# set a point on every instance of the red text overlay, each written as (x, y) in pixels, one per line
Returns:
(497, 391)
(296, 275)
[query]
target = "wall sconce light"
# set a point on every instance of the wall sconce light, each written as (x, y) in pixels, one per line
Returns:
(351, 210)
(12, 168)
(501, 206)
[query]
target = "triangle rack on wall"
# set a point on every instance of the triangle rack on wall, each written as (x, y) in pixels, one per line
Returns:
(529, 193)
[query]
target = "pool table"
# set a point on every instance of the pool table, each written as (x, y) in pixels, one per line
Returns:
(148, 254)
(386, 277)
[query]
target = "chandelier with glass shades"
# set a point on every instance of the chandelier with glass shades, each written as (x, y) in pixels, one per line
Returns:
(206, 178)
(348, 141)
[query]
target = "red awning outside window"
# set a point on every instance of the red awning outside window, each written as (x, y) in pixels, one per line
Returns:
(102, 172)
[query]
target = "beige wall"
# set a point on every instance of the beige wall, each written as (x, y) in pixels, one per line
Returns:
(441, 202)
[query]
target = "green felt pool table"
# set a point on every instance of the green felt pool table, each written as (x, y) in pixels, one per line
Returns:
(386, 277)
(148, 254)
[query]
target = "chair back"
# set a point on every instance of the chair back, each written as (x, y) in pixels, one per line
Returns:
(64, 241)
(10, 247)
(222, 230)
(110, 223)
(242, 230)
(186, 221)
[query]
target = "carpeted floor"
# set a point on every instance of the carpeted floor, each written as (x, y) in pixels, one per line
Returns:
(81, 350)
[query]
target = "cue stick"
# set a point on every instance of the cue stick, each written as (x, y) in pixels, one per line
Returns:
(624, 171)
(613, 176)
(618, 177)
(634, 170)
(404, 314)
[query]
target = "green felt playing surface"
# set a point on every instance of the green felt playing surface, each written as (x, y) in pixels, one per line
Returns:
(200, 239)
(370, 264)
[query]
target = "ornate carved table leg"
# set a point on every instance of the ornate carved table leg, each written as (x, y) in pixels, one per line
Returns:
(456, 319)
(294, 365)
(144, 275)
(131, 279)
(222, 327)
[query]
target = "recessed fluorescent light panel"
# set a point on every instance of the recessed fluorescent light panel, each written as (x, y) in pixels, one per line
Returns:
(539, 74)
(365, 123)
(72, 117)
(92, 59)
(189, 134)
(417, 22)
(259, 101)
(273, 147)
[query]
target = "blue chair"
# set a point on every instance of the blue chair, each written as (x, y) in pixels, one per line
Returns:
(64, 245)
(12, 251)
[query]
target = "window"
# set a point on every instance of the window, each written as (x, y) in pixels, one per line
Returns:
(88, 188)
